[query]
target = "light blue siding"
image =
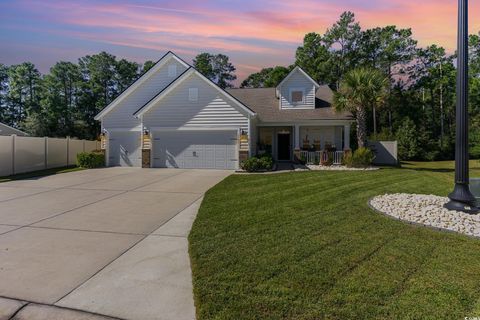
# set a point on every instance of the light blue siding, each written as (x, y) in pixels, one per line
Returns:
(212, 108)
(297, 80)
(122, 115)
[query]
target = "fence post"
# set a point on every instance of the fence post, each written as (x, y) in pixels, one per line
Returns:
(68, 151)
(46, 152)
(13, 153)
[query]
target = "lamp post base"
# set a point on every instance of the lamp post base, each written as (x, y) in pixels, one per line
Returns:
(461, 199)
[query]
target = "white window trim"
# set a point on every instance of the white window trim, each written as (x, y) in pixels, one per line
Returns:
(193, 94)
(290, 96)
(172, 70)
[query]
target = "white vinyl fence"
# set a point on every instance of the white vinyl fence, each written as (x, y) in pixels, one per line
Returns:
(25, 154)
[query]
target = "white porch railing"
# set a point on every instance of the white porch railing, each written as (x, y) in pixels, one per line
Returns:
(337, 157)
(312, 157)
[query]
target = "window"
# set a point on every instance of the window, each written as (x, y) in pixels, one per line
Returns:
(172, 70)
(265, 140)
(296, 96)
(193, 94)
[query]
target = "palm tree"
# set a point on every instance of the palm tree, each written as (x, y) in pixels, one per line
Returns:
(359, 90)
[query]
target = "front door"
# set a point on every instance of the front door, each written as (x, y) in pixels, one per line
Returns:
(283, 147)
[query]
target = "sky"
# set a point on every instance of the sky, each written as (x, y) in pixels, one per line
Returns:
(253, 33)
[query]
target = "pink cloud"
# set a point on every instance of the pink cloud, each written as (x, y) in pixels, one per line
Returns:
(258, 34)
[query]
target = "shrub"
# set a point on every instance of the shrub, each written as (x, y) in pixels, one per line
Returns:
(327, 158)
(302, 159)
(384, 135)
(266, 162)
(409, 145)
(347, 158)
(475, 152)
(90, 160)
(361, 158)
(259, 163)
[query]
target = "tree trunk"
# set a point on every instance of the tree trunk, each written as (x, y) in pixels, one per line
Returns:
(434, 114)
(361, 127)
(442, 132)
(389, 106)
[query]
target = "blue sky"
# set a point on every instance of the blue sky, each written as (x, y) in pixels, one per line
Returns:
(253, 33)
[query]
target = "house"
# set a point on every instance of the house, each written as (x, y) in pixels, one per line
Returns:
(6, 130)
(173, 116)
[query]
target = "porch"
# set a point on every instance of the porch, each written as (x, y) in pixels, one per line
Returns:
(318, 157)
(307, 142)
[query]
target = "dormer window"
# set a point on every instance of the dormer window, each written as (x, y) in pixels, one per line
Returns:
(297, 96)
(172, 70)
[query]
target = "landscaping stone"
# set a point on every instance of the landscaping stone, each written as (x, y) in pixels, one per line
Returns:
(330, 168)
(427, 210)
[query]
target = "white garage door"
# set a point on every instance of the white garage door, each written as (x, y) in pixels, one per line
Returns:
(195, 149)
(124, 149)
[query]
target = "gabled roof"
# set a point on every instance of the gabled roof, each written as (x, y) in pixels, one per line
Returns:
(297, 68)
(265, 103)
(178, 81)
(145, 76)
(6, 130)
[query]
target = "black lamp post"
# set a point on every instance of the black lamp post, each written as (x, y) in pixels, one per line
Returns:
(461, 199)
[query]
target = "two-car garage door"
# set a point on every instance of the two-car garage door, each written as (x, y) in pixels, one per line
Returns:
(195, 149)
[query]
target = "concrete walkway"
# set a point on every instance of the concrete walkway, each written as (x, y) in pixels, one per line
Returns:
(110, 242)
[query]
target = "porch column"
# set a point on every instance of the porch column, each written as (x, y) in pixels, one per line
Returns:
(346, 137)
(146, 148)
(296, 144)
(297, 137)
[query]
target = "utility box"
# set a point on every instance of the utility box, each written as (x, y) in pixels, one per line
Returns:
(475, 188)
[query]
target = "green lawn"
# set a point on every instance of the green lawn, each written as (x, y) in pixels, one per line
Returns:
(40, 173)
(306, 246)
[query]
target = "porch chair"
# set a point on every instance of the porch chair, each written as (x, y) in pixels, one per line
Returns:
(306, 144)
(317, 145)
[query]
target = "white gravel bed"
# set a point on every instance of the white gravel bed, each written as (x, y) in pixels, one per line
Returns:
(427, 210)
(330, 168)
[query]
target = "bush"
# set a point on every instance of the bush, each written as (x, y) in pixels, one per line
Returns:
(475, 152)
(361, 158)
(90, 160)
(347, 158)
(259, 163)
(384, 135)
(302, 159)
(327, 158)
(409, 144)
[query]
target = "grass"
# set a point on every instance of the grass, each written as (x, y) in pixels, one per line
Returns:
(39, 173)
(445, 166)
(306, 246)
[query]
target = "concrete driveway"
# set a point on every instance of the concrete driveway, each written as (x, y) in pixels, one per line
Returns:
(109, 241)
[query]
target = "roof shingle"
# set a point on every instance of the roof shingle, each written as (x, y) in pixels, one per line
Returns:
(264, 102)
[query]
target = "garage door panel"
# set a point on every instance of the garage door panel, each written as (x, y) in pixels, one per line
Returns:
(210, 156)
(195, 149)
(124, 149)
